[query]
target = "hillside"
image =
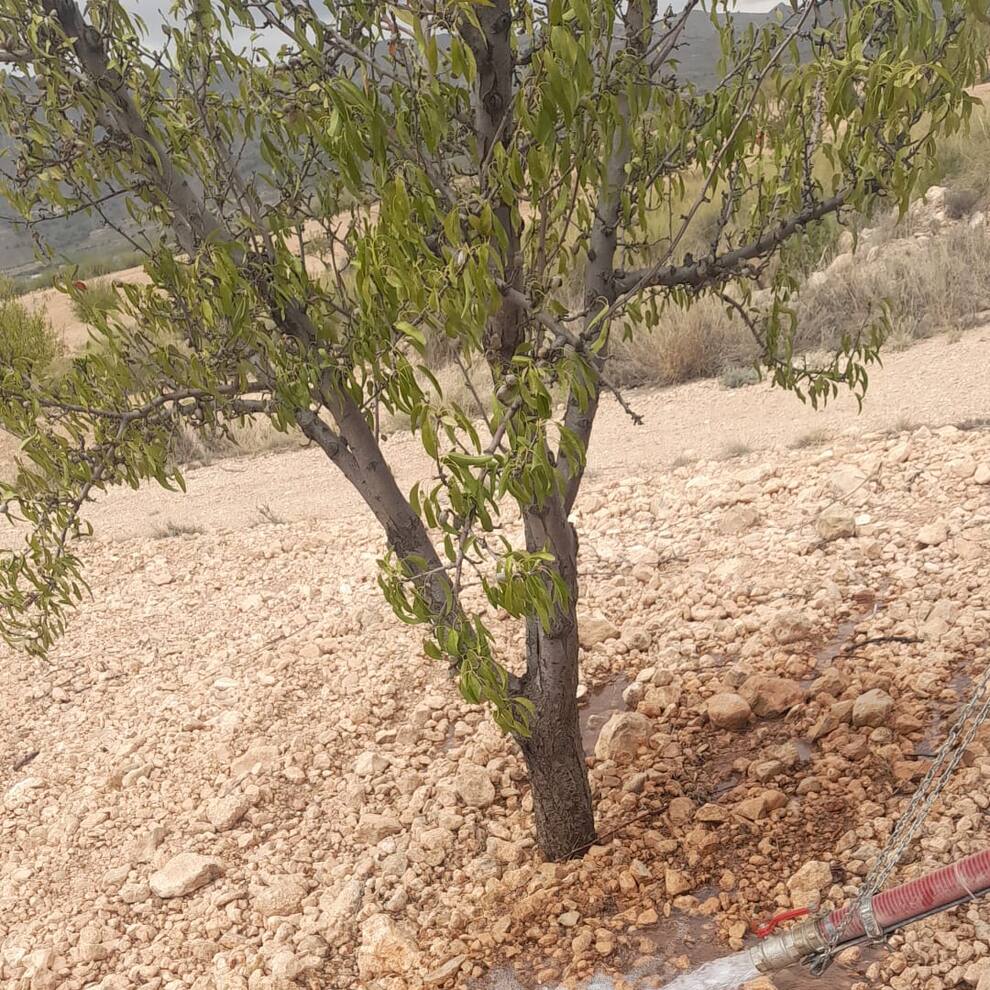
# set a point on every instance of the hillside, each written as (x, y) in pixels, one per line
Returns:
(84, 237)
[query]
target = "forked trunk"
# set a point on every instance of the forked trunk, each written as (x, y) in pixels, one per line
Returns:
(562, 806)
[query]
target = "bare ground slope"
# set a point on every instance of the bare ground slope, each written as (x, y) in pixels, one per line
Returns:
(930, 383)
(242, 699)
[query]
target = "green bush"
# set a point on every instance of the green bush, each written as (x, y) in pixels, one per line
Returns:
(27, 339)
(738, 376)
(93, 301)
(11, 287)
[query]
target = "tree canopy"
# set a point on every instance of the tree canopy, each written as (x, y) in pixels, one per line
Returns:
(518, 181)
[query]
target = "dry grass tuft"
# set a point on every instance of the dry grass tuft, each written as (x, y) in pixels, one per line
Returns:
(472, 392)
(699, 343)
(733, 450)
(813, 438)
(269, 515)
(977, 423)
(173, 529)
(903, 424)
(256, 436)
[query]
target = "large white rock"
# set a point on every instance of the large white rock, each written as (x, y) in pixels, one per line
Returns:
(940, 619)
(280, 898)
(386, 949)
(728, 710)
(23, 792)
(809, 883)
(791, 626)
(738, 519)
(339, 907)
(963, 467)
(934, 533)
(845, 480)
(622, 735)
(769, 695)
(185, 873)
(474, 786)
(373, 828)
(370, 764)
(872, 708)
(836, 523)
(594, 630)
(225, 812)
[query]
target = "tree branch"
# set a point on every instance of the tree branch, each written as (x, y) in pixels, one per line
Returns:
(579, 417)
(712, 271)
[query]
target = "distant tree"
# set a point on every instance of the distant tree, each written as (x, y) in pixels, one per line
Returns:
(521, 178)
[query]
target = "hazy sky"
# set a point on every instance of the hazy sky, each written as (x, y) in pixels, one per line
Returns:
(151, 10)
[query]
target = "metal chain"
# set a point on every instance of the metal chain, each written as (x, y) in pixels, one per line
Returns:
(946, 760)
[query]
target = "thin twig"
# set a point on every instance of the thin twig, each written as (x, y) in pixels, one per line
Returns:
(610, 833)
(556, 327)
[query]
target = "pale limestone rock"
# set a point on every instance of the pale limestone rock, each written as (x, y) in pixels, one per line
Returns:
(872, 708)
(474, 786)
(593, 630)
(386, 949)
(622, 735)
(184, 874)
(728, 710)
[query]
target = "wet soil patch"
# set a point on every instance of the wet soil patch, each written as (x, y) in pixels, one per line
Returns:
(684, 942)
(598, 707)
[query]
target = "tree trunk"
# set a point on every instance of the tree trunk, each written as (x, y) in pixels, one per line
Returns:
(562, 806)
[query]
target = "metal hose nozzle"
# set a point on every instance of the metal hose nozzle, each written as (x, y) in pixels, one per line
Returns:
(790, 947)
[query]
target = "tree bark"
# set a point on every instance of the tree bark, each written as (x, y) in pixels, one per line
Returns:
(494, 92)
(562, 806)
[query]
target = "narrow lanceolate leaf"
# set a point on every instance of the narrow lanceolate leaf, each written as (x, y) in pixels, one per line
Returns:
(372, 224)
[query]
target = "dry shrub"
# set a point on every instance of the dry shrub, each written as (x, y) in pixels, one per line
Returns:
(697, 343)
(961, 160)
(256, 436)
(813, 438)
(962, 202)
(930, 287)
(173, 529)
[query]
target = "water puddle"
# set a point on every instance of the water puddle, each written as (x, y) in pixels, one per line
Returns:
(689, 955)
(843, 637)
(450, 740)
(827, 655)
(598, 707)
(961, 685)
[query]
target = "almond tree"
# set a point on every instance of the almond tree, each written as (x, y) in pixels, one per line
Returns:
(517, 180)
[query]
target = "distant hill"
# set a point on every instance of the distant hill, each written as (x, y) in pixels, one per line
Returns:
(83, 237)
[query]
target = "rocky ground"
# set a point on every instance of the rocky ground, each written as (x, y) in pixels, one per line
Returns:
(238, 770)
